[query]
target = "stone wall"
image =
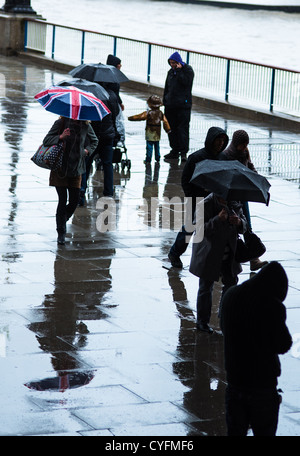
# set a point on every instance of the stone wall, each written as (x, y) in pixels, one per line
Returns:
(11, 33)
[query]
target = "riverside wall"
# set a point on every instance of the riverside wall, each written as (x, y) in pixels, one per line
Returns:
(12, 31)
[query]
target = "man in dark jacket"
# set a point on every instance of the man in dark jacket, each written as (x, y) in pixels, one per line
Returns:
(177, 100)
(115, 86)
(107, 134)
(253, 324)
(215, 142)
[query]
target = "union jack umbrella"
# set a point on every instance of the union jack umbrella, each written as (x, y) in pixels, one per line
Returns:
(73, 103)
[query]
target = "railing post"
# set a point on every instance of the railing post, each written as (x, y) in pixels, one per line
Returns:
(188, 57)
(115, 46)
(149, 62)
(227, 80)
(82, 46)
(272, 90)
(26, 36)
(53, 42)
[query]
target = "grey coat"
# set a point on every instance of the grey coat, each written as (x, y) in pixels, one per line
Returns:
(207, 255)
(82, 138)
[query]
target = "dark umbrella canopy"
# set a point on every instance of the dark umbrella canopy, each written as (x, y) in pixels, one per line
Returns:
(98, 72)
(231, 180)
(88, 86)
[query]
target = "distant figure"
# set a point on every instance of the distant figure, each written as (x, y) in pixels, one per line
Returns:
(115, 86)
(214, 256)
(238, 150)
(252, 320)
(154, 117)
(177, 100)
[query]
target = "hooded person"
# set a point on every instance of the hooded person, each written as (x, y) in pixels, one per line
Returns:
(154, 117)
(253, 322)
(238, 150)
(215, 142)
(177, 99)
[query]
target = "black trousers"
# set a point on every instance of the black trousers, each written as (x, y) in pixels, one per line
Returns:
(179, 120)
(64, 209)
(257, 409)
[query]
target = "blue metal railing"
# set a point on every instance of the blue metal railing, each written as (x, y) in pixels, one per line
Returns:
(240, 82)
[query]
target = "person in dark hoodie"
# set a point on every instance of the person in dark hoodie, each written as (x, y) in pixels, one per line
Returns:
(177, 100)
(215, 142)
(253, 322)
(238, 150)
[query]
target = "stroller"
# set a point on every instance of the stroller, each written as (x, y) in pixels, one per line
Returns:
(118, 152)
(119, 148)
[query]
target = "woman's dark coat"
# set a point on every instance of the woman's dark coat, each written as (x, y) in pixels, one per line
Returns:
(207, 255)
(82, 137)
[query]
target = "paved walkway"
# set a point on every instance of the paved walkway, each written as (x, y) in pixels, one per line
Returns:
(97, 338)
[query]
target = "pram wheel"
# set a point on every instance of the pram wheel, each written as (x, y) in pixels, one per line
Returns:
(125, 163)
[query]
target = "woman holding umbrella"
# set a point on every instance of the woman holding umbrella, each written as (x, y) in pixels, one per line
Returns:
(79, 141)
(214, 256)
(76, 108)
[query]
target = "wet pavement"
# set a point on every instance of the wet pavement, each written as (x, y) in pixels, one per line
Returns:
(97, 337)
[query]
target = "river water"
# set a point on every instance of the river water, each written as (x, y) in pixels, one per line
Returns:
(267, 37)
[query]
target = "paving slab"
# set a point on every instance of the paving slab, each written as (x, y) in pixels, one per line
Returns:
(97, 337)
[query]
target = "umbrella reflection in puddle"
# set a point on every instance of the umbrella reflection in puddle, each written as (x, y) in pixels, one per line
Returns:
(62, 382)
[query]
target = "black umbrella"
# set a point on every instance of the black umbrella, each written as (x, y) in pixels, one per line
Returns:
(98, 72)
(88, 86)
(231, 180)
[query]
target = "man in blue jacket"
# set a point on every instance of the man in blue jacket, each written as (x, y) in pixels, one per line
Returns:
(177, 100)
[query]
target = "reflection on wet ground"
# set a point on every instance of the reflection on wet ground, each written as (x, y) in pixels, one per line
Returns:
(98, 337)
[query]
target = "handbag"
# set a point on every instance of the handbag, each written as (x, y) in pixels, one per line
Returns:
(253, 247)
(49, 157)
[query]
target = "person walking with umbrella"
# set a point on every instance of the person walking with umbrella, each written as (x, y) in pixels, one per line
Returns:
(76, 108)
(238, 150)
(107, 135)
(213, 257)
(115, 86)
(215, 142)
(79, 141)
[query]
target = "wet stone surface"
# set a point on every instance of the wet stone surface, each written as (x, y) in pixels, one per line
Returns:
(97, 337)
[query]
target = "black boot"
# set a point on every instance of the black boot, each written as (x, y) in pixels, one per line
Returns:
(61, 229)
(61, 239)
(171, 155)
(82, 200)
